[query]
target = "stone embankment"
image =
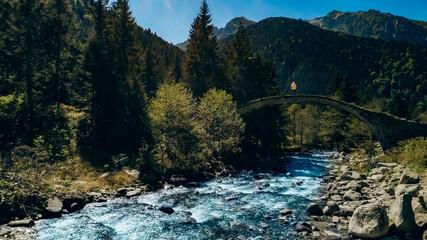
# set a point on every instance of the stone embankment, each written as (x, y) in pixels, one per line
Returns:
(388, 203)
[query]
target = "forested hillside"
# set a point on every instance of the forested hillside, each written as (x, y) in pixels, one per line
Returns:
(391, 74)
(374, 24)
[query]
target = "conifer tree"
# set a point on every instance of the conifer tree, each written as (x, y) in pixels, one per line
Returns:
(201, 54)
(66, 54)
(130, 75)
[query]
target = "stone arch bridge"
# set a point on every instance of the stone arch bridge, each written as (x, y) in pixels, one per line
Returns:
(388, 129)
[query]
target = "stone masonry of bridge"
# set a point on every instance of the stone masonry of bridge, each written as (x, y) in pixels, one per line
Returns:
(388, 129)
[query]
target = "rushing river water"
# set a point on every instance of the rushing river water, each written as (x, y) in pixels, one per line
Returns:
(246, 204)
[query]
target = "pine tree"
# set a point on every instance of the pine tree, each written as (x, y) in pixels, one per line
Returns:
(66, 53)
(250, 76)
(130, 75)
(201, 54)
(150, 74)
(98, 64)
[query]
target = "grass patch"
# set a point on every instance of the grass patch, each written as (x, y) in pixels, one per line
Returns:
(63, 177)
(411, 153)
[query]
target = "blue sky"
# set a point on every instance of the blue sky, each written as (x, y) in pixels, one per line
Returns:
(171, 19)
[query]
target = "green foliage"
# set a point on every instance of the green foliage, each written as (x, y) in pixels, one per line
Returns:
(250, 77)
(11, 119)
(218, 127)
(7, 192)
(325, 127)
(171, 115)
(201, 64)
(191, 136)
(411, 153)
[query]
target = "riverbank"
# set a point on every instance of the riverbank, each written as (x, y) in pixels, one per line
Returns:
(388, 202)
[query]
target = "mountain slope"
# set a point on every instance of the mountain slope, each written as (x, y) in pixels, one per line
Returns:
(376, 25)
(223, 33)
(394, 73)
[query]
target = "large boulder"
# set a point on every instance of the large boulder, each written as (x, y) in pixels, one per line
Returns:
(369, 221)
(409, 178)
(402, 215)
(53, 208)
(407, 189)
(74, 201)
(314, 209)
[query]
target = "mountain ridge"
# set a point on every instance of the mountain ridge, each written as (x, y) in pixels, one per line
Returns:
(375, 24)
(223, 33)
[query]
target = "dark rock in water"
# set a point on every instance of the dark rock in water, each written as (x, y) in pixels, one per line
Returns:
(303, 227)
(240, 226)
(75, 201)
(227, 199)
(93, 197)
(53, 208)
(121, 192)
(369, 221)
(285, 212)
(314, 209)
(166, 209)
(21, 223)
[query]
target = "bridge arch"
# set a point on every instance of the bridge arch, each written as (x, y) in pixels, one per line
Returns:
(388, 129)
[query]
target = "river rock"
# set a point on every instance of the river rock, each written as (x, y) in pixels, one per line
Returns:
(94, 196)
(407, 189)
(134, 193)
(121, 192)
(53, 208)
(333, 206)
(346, 210)
(351, 195)
(314, 209)
(285, 212)
(75, 201)
(409, 178)
(166, 209)
(388, 165)
(350, 175)
(402, 215)
(22, 223)
(369, 221)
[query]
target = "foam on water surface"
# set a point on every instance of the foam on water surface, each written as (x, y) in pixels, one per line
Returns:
(200, 213)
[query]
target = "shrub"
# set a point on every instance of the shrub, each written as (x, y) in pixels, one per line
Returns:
(218, 126)
(411, 153)
(11, 112)
(191, 136)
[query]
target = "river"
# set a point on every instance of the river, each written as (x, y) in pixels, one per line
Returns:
(246, 204)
